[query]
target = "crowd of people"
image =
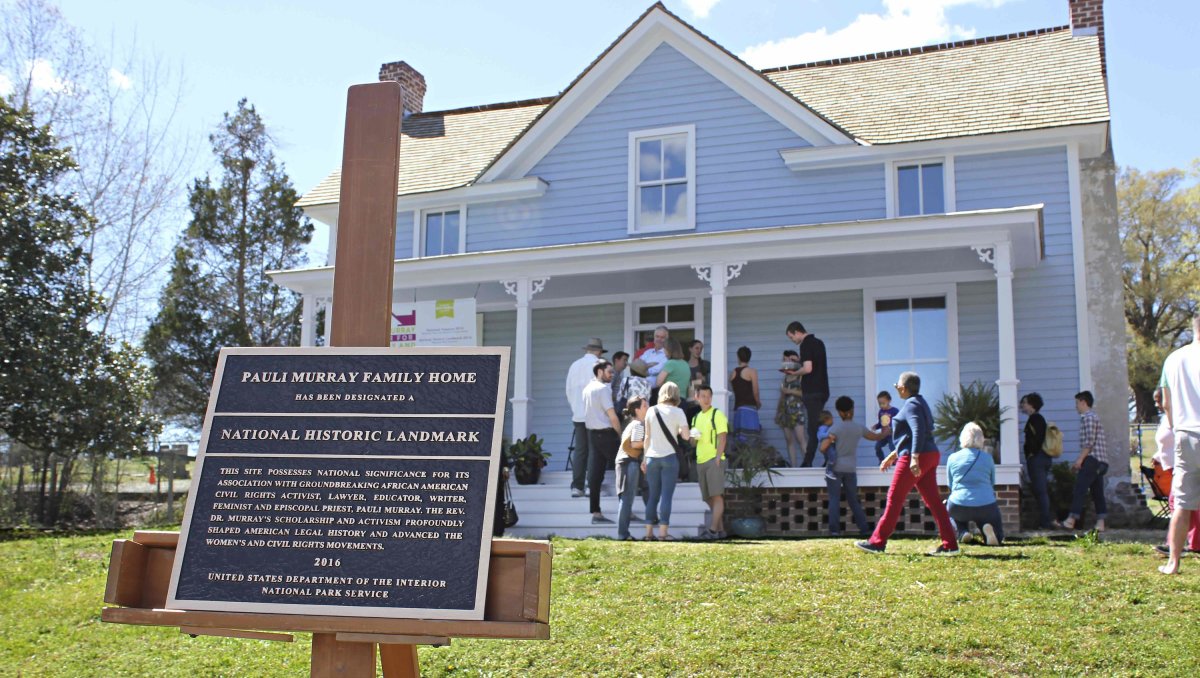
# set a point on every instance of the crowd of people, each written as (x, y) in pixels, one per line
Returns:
(641, 418)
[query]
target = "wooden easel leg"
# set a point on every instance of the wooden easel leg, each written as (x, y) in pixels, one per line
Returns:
(399, 661)
(334, 659)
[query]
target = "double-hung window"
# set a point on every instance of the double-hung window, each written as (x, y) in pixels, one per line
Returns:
(913, 333)
(920, 189)
(662, 181)
(441, 232)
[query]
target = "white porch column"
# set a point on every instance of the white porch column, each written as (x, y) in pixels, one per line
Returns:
(328, 320)
(308, 320)
(718, 275)
(1000, 257)
(524, 290)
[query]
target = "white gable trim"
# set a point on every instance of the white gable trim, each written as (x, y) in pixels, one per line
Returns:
(656, 28)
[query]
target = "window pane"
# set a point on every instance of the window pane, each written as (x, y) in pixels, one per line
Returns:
(929, 331)
(684, 335)
(652, 314)
(450, 233)
(681, 313)
(932, 189)
(676, 203)
(651, 205)
(885, 379)
(433, 235)
(675, 157)
(933, 382)
(650, 160)
(908, 190)
(891, 329)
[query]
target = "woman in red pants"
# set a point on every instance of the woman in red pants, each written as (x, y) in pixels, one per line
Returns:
(916, 458)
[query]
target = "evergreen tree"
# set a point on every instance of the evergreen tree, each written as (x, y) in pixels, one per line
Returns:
(244, 223)
(64, 389)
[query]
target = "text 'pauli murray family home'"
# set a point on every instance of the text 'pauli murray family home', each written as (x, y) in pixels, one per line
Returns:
(949, 209)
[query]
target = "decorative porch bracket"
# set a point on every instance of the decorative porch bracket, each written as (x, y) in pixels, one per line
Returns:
(999, 255)
(718, 276)
(524, 289)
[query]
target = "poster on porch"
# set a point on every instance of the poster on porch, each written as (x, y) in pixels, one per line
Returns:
(441, 322)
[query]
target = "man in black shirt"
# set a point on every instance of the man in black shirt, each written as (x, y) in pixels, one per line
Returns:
(814, 382)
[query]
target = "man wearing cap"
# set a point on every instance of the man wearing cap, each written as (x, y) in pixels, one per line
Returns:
(578, 378)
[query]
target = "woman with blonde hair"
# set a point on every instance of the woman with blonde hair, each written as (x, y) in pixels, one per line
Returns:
(972, 478)
(666, 432)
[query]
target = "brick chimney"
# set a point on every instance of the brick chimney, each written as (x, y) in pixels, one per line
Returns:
(1087, 18)
(411, 81)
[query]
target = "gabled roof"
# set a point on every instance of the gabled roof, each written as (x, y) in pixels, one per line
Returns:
(1022, 81)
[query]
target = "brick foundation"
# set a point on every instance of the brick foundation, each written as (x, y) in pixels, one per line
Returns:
(801, 511)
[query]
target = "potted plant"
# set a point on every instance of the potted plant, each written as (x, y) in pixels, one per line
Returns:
(527, 459)
(752, 461)
(977, 402)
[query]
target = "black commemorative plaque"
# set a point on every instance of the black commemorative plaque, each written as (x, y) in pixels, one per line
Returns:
(345, 481)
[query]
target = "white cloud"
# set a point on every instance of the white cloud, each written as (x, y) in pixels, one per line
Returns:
(119, 79)
(700, 8)
(41, 75)
(904, 23)
(6, 85)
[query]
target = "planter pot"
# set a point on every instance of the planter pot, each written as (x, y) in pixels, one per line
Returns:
(527, 476)
(749, 528)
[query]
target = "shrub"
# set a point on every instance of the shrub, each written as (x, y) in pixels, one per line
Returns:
(977, 402)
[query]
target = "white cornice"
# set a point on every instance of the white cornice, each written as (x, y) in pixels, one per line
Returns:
(656, 28)
(1091, 138)
(1020, 226)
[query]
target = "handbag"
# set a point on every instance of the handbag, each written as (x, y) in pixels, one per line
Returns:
(628, 448)
(675, 442)
(510, 509)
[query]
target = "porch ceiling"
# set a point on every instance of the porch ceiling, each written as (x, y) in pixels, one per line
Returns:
(795, 254)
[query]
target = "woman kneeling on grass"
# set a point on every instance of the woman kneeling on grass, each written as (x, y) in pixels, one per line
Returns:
(916, 458)
(972, 479)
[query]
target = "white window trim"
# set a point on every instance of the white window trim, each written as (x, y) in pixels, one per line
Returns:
(632, 326)
(891, 190)
(872, 294)
(634, 137)
(419, 228)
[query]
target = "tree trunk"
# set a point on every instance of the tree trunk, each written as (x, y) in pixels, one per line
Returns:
(1146, 410)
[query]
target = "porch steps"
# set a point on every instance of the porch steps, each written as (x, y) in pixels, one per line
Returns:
(547, 509)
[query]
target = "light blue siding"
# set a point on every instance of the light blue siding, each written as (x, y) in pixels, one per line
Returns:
(1044, 297)
(404, 235)
(835, 318)
(978, 344)
(741, 182)
(500, 329)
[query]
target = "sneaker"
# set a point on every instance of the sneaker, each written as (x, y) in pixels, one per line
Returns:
(1162, 550)
(989, 535)
(720, 534)
(576, 493)
(868, 546)
(944, 552)
(706, 535)
(601, 520)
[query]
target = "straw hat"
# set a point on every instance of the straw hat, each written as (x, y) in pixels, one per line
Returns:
(639, 368)
(595, 344)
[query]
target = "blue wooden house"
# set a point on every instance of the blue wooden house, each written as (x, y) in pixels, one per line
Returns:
(949, 209)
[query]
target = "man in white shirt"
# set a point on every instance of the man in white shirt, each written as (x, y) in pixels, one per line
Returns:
(578, 377)
(1180, 385)
(604, 434)
(656, 355)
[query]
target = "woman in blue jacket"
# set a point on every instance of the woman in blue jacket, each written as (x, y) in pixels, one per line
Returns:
(916, 457)
(971, 475)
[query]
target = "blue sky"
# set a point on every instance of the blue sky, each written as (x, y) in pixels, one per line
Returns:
(294, 59)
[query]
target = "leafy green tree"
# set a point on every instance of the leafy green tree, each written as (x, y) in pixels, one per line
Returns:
(244, 223)
(65, 390)
(1158, 220)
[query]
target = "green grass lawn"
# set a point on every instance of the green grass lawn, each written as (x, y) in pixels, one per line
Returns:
(738, 608)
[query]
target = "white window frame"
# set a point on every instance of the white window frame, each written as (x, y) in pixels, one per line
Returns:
(419, 228)
(632, 326)
(870, 295)
(892, 189)
(690, 168)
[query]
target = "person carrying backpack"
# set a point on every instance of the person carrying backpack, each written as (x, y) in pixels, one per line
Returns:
(710, 429)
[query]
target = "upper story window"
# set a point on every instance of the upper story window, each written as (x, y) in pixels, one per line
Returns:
(441, 232)
(662, 181)
(920, 189)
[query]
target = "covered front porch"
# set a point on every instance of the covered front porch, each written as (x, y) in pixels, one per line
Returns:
(742, 288)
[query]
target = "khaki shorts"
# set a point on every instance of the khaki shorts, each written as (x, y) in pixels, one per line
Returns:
(712, 479)
(1185, 482)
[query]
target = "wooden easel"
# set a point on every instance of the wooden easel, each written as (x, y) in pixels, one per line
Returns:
(518, 587)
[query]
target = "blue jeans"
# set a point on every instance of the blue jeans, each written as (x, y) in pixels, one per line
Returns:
(1091, 477)
(988, 514)
(834, 484)
(882, 448)
(1039, 481)
(661, 474)
(632, 468)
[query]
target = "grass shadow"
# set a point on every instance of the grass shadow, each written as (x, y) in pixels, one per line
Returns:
(995, 556)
